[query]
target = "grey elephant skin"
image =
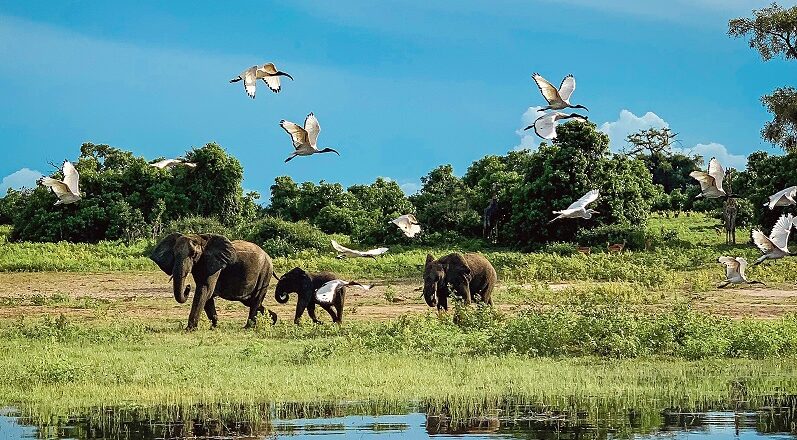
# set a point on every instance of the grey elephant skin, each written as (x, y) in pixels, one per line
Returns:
(469, 275)
(233, 270)
(304, 284)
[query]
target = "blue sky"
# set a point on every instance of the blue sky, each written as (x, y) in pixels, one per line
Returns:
(399, 87)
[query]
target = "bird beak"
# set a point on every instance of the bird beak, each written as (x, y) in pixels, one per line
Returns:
(530, 126)
(285, 74)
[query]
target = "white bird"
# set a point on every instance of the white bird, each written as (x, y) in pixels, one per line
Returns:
(67, 190)
(545, 125)
(408, 224)
(557, 99)
(351, 253)
(326, 293)
(305, 139)
(578, 209)
(776, 245)
(734, 271)
(785, 197)
(267, 72)
(711, 181)
(171, 163)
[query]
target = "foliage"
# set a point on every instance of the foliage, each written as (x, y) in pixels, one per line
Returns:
(782, 129)
(126, 198)
(765, 175)
(281, 238)
(443, 203)
(196, 225)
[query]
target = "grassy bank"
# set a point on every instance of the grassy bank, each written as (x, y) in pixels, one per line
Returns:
(463, 357)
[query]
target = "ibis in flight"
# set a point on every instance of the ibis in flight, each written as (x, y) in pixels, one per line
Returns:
(345, 252)
(776, 245)
(711, 180)
(734, 271)
(408, 224)
(326, 294)
(267, 72)
(171, 163)
(545, 125)
(66, 190)
(578, 209)
(785, 197)
(305, 138)
(557, 99)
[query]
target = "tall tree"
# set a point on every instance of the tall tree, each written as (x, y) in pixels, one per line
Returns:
(772, 31)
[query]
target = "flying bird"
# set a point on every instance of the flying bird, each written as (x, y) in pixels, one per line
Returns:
(345, 252)
(304, 139)
(578, 209)
(545, 125)
(785, 197)
(734, 271)
(711, 181)
(776, 245)
(267, 72)
(326, 293)
(171, 163)
(408, 224)
(66, 190)
(557, 99)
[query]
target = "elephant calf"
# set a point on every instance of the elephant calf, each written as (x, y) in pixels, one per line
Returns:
(233, 270)
(305, 284)
(470, 274)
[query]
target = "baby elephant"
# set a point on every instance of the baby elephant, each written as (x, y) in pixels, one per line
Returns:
(470, 274)
(305, 284)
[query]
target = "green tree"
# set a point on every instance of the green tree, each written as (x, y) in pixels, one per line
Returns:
(443, 205)
(772, 31)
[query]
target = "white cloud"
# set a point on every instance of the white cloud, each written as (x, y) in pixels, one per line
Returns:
(528, 140)
(719, 151)
(629, 123)
(410, 188)
(25, 177)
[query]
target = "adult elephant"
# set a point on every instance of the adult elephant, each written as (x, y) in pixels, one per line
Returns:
(232, 270)
(469, 274)
(304, 284)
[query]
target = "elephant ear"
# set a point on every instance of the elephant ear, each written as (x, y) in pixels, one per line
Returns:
(456, 266)
(429, 259)
(163, 254)
(217, 253)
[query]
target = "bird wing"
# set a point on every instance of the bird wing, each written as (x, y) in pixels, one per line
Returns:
(731, 266)
(545, 126)
(268, 69)
(165, 163)
(788, 194)
(60, 189)
(250, 81)
(780, 232)
(362, 286)
(585, 200)
(190, 164)
(273, 83)
(312, 128)
(706, 183)
(326, 293)
(342, 249)
(762, 242)
(742, 265)
(71, 178)
(375, 252)
(412, 230)
(411, 218)
(716, 171)
(298, 134)
(547, 89)
(568, 87)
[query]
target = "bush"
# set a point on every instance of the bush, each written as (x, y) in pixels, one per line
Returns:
(196, 225)
(633, 236)
(563, 249)
(283, 238)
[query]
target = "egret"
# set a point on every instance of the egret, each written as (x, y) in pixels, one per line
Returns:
(66, 190)
(326, 293)
(734, 271)
(785, 197)
(578, 209)
(545, 125)
(408, 224)
(776, 245)
(171, 163)
(711, 181)
(304, 139)
(557, 99)
(351, 253)
(267, 72)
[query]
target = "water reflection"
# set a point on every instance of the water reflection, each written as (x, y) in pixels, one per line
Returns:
(331, 422)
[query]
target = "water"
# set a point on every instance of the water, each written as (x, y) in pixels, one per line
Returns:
(135, 424)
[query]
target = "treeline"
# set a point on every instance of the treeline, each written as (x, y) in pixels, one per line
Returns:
(127, 199)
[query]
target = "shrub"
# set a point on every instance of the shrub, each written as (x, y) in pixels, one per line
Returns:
(195, 224)
(633, 236)
(283, 238)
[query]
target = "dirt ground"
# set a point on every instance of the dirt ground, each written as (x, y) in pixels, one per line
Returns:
(147, 294)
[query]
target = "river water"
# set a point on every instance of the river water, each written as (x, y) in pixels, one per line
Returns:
(135, 424)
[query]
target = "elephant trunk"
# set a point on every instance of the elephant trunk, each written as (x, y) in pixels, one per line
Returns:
(280, 296)
(179, 276)
(430, 294)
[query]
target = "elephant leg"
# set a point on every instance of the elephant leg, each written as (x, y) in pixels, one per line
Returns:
(463, 290)
(331, 312)
(442, 301)
(300, 306)
(210, 310)
(204, 290)
(251, 321)
(311, 312)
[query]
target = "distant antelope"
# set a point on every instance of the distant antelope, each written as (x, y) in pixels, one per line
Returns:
(267, 72)
(615, 248)
(586, 250)
(557, 99)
